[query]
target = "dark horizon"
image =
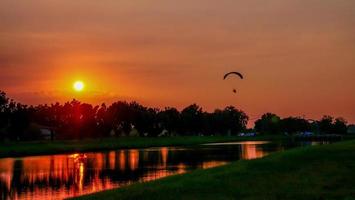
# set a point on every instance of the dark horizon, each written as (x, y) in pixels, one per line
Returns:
(250, 123)
(76, 120)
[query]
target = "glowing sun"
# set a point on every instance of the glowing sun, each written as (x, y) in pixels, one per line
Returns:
(78, 86)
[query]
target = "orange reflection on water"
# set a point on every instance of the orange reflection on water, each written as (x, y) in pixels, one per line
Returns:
(43, 177)
(251, 151)
(133, 159)
(63, 176)
(112, 159)
(122, 157)
(182, 168)
(164, 156)
(6, 166)
(210, 164)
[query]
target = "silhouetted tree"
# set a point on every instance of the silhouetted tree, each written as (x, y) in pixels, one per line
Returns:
(326, 124)
(104, 121)
(170, 119)
(192, 120)
(76, 120)
(145, 120)
(118, 118)
(236, 119)
(268, 124)
(19, 122)
(340, 126)
(4, 114)
(295, 124)
(228, 121)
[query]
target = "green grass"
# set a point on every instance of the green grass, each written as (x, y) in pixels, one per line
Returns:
(15, 149)
(318, 172)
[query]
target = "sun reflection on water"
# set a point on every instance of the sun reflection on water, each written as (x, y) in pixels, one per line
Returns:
(62, 176)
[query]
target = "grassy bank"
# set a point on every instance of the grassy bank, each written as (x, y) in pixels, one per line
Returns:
(319, 172)
(43, 148)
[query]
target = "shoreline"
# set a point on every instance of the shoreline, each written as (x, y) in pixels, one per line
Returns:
(37, 148)
(315, 172)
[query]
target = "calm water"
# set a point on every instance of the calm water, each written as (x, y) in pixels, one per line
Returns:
(61, 176)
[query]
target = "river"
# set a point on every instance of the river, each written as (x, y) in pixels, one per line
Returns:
(68, 175)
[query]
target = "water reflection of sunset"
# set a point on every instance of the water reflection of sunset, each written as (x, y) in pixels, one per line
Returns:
(133, 159)
(251, 151)
(122, 161)
(61, 176)
(164, 156)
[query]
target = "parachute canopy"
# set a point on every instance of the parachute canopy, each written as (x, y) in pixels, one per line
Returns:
(233, 73)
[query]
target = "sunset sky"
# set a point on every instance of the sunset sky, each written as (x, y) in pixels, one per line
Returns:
(297, 56)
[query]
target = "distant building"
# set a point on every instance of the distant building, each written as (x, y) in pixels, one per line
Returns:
(164, 133)
(133, 133)
(247, 134)
(351, 129)
(47, 132)
(41, 131)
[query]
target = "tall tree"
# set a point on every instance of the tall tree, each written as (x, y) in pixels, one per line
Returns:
(268, 124)
(326, 124)
(295, 124)
(340, 126)
(192, 119)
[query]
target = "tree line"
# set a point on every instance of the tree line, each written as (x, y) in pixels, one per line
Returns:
(270, 123)
(77, 120)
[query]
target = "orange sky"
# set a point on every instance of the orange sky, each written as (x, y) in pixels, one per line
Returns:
(297, 55)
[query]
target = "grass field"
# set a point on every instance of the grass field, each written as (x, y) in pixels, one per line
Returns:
(318, 172)
(14, 149)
